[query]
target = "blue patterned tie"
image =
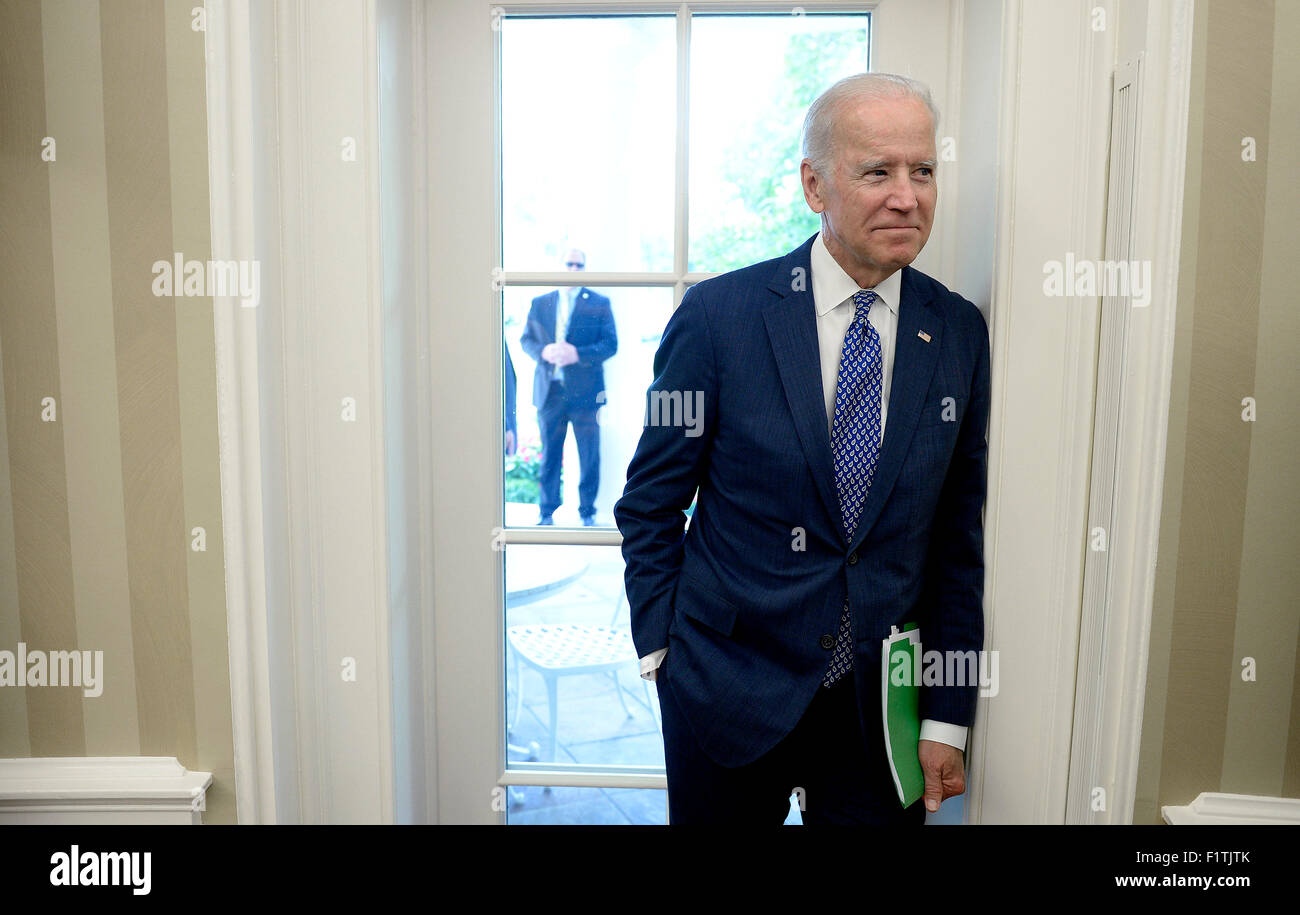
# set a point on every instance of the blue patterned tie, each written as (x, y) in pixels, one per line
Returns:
(855, 442)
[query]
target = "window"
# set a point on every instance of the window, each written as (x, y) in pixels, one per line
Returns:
(638, 154)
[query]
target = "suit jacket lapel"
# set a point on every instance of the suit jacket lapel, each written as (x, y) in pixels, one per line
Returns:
(792, 327)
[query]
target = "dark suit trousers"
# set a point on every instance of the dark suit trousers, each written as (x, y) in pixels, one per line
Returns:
(825, 756)
(553, 421)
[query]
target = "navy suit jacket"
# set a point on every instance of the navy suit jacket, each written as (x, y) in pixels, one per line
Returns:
(740, 607)
(590, 330)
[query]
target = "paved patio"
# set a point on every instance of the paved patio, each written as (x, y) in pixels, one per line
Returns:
(593, 727)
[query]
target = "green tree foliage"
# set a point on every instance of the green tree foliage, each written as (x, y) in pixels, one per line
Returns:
(762, 163)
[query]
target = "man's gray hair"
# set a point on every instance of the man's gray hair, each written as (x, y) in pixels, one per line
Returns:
(820, 120)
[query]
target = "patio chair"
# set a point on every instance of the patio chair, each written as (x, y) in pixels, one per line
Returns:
(558, 650)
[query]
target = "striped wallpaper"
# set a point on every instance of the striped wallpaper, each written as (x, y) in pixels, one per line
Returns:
(1228, 574)
(108, 431)
(108, 425)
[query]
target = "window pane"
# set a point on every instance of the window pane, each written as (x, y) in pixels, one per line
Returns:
(746, 203)
(597, 407)
(587, 807)
(574, 693)
(588, 116)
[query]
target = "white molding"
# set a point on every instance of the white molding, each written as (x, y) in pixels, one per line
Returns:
(1044, 368)
(230, 154)
(1215, 809)
(1166, 83)
(976, 749)
(1074, 448)
(408, 392)
(339, 747)
(307, 558)
(291, 388)
(1042, 363)
(464, 331)
(424, 458)
(1106, 450)
(949, 176)
(101, 789)
(381, 632)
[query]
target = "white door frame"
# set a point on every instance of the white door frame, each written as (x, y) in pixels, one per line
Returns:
(309, 748)
(1051, 200)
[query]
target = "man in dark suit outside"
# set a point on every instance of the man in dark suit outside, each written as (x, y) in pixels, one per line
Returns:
(570, 332)
(840, 472)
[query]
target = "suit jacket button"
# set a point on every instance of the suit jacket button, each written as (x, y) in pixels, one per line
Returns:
(853, 558)
(827, 642)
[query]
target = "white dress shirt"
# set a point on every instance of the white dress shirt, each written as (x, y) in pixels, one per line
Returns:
(833, 292)
(563, 310)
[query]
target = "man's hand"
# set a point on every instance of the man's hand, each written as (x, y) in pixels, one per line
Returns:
(560, 354)
(566, 354)
(945, 772)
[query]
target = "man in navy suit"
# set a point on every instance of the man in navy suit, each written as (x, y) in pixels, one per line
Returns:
(570, 332)
(839, 471)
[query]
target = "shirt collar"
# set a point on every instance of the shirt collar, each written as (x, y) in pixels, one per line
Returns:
(832, 286)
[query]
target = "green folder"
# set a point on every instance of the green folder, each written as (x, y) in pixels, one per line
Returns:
(900, 709)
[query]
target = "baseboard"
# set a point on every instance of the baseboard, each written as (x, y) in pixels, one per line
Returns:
(104, 790)
(1211, 808)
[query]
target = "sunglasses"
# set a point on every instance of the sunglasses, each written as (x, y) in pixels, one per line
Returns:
(577, 264)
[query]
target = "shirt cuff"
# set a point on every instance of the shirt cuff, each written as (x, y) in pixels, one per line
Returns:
(650, 664)
(954, 735)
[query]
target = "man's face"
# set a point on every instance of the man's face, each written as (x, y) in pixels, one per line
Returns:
(575, 260)
(877, 204)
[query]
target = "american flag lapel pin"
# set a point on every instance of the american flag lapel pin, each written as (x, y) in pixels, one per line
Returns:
(923, 335)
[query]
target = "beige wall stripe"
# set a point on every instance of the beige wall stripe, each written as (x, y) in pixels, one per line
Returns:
(139, 212)
(13, 702)
(84, 305)
(1268, 624)
(1226, 328)
(28, 334)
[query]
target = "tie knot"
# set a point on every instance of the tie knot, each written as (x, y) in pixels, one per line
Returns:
(862, 300)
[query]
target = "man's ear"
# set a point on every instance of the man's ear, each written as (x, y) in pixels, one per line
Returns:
(812, 187)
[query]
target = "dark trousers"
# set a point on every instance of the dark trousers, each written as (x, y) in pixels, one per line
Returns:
(824, 761)
(553, 419)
